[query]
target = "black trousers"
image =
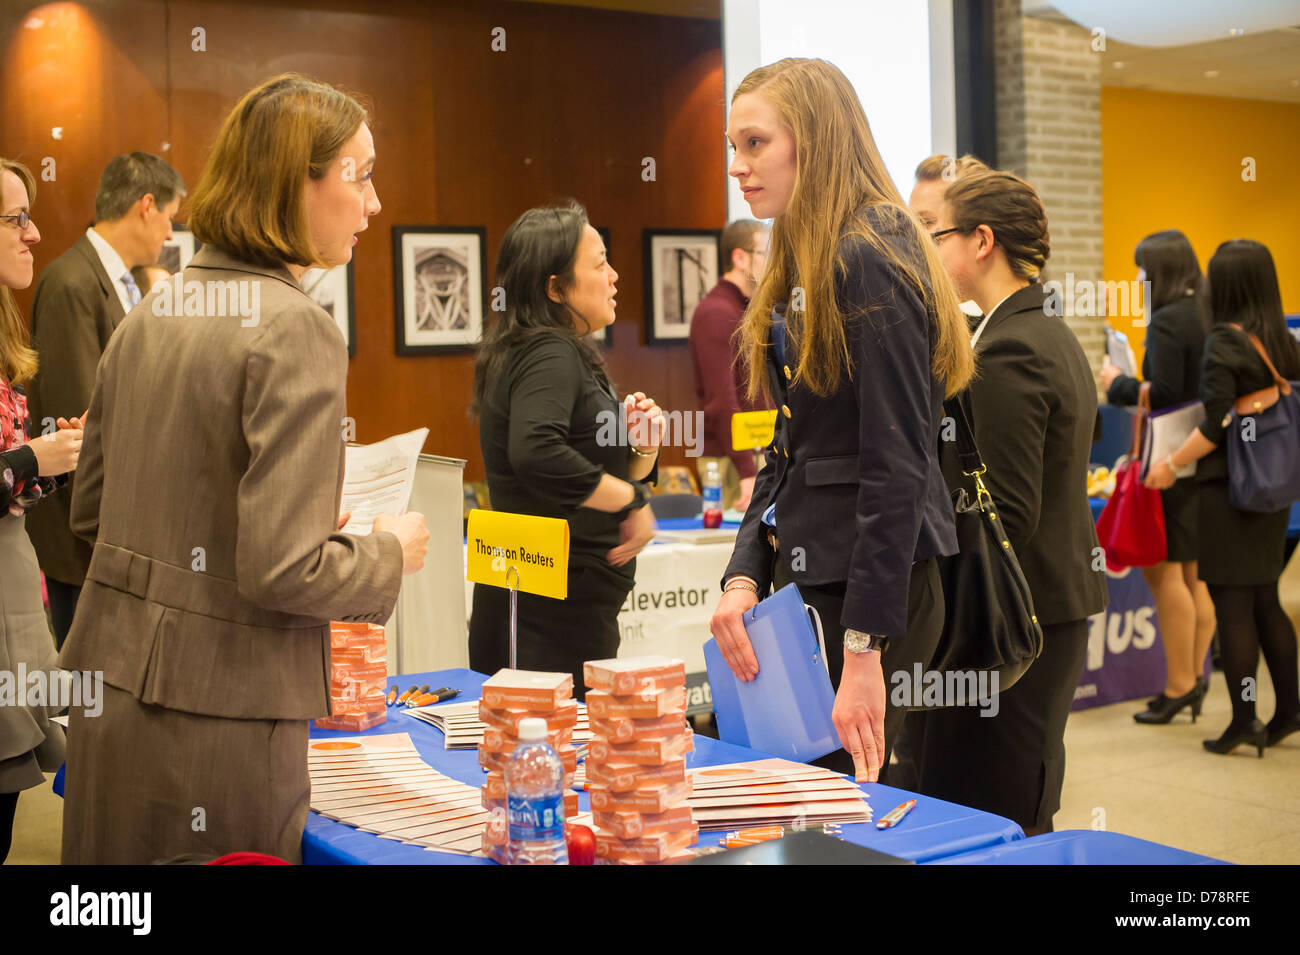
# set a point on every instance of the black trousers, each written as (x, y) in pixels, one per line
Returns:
(554, 636)
(925, 614)
(8, 806)
(63, 606)
(1011, 764)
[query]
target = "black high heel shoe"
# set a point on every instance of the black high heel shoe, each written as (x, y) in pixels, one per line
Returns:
(1160, 713)
(1253, 735)
(1279, 733)
(1159, 701)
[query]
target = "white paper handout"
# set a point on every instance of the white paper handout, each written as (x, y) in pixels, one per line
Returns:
(378, 478)
(1120, 352)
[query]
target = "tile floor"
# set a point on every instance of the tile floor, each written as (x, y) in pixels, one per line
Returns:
(1154, 782)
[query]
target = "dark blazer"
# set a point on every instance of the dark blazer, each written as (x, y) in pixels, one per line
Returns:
(75, 309)
(209, 481)
(1033, 405)
(1172, 361)
(854, 475)
(1230, 368)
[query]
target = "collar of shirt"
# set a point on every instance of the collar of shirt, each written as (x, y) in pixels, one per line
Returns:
(729, 287)
(980, 331)
(113, 265)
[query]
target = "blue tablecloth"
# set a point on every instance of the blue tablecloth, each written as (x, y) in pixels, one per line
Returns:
(1080, 847)
(932, 830)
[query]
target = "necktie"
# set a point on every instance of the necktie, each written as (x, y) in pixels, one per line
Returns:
(132, 290)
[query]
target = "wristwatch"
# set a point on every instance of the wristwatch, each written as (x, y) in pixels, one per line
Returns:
(640, 498)
(855, 641)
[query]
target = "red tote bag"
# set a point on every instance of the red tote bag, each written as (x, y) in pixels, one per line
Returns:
(1131, 528)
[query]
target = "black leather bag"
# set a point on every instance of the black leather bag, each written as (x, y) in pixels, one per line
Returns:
(990, 624)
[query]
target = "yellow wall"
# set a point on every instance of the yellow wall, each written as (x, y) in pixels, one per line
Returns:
(1174, 161)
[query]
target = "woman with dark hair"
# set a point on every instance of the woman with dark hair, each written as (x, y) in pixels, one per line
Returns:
(1240, 553)
(31, 744)
(1171, 366)
(1032, 408)
(856, 332)
(557, 442)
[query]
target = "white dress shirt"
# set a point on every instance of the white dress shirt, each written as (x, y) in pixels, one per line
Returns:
(113, 265)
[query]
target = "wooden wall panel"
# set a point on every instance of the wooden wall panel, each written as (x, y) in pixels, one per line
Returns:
(464, 136)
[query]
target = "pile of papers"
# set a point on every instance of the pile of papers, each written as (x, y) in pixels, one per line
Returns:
(463, 727)
(380, 784)
(773, 792)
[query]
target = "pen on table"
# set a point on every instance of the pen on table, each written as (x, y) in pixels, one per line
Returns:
(437, 696)
(407, 695)
(392, 694)
(895, 815)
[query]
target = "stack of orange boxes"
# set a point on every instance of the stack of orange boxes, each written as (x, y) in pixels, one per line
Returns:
(636, 761)
(508, 697)
(358, 677)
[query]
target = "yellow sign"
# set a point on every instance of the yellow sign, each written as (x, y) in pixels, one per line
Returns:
(752, 429)
(537, 547)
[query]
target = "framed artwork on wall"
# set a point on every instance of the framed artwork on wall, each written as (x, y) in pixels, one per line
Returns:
(178, 250)
(680, 267)
(332, 290)
(439, 287)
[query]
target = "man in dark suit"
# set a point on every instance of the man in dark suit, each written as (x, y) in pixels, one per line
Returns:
(79, 300)
(721, 381)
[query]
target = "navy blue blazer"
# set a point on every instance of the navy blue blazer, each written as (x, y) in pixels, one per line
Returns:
(855, 478)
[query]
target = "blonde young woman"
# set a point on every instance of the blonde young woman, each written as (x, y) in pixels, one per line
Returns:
(856, 333)
(30, 745)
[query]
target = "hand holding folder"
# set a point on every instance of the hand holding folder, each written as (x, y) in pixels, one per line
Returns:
(785, 708)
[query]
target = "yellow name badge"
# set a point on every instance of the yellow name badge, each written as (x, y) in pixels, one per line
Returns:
(752, 429)
(538, 547)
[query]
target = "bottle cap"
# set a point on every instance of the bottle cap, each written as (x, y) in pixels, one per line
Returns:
(531, 729)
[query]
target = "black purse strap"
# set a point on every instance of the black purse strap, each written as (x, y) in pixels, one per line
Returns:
(967, 452)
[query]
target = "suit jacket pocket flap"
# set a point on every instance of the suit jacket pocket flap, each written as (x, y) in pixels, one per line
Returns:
(837, 470)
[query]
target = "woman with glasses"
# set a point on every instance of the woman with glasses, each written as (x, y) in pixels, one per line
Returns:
(1032, 407)
(30, 744)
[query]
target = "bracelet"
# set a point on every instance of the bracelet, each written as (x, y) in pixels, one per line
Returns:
(1169, 460)
(644, 454)
(740, 585)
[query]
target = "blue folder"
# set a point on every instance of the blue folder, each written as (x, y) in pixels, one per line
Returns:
(786, 709)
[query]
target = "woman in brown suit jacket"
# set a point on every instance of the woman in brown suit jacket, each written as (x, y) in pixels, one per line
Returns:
(217, 565)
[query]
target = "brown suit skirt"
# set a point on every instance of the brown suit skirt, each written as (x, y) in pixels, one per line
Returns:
(138, 776)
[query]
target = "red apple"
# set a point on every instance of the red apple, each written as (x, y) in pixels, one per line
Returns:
(581, 843)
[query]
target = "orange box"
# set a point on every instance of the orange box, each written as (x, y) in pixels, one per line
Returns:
(564, 716)
(500, 741)
(492, 804)
(628, 676)
(354, 722)
(494, 784)
(356, 635)
(527, 690)
(656, 848)
(626, 731)
(496, 762)
(646, 799)
(358, 656)
(627, 777)
(644, 752)
(637, 825)
(638, 706)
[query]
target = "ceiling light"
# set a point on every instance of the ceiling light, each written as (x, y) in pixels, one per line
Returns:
(1211, 74)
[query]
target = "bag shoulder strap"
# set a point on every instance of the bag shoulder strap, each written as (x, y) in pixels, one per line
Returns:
(1282, 383)
(967, 451)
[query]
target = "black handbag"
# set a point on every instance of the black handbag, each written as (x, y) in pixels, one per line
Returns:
(989, 624)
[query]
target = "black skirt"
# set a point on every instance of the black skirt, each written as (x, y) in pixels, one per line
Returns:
(1011, 764)
(1238, 548)
(555, 636)
(1180, 506)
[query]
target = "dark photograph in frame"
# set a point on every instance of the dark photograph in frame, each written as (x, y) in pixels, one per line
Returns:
(680, 267)
(439, 287)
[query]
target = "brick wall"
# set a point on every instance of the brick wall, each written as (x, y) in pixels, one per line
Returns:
(1048, 83)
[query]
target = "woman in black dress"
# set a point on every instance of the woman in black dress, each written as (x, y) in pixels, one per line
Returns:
(1240, 554)
(1172, 367)
(557, 442)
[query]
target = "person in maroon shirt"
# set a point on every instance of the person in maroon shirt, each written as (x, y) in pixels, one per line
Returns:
(721, 381)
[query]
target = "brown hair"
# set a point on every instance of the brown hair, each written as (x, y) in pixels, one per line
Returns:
(17, 358)
(943, 166)
(1010, 207)
(248, 202)
(738, 235)
(837, 177)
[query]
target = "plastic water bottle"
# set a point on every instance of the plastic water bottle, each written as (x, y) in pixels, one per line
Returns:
(535, 799)
(712, 494)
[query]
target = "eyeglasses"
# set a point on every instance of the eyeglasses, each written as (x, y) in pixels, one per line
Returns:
(22, 219)
(941, 233)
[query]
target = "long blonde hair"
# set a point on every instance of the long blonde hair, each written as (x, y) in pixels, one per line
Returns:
(839, 174)
(17, 358)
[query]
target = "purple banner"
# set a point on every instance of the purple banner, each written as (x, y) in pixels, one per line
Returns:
(1125, 660)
